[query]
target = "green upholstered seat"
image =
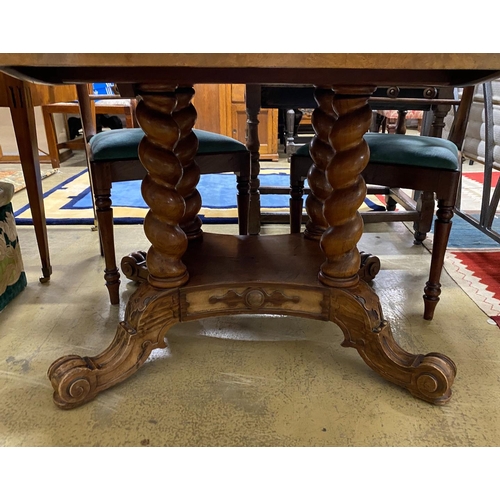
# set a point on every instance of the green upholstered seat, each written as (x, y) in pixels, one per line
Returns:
(431, 152)
(122, 144)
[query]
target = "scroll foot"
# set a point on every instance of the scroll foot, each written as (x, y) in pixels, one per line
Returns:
(357, 311)
(150, 313)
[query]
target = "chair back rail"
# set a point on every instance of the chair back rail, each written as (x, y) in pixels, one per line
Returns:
(459, 125)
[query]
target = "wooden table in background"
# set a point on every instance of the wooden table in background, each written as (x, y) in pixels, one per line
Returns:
(216, 275)
(21, 97)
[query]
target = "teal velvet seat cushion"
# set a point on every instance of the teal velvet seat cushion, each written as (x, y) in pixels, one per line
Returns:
(431, 152)
(122, 144)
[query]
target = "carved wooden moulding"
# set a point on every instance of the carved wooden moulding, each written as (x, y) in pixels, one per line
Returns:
(264, 299)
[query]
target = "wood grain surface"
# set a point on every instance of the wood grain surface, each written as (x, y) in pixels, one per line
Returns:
(376, 69)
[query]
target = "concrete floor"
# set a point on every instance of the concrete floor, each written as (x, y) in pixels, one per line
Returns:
(240, 381)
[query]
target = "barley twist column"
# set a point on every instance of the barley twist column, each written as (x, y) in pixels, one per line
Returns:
(184, 115)
(348, 189)
(323, 119)
(167, 206)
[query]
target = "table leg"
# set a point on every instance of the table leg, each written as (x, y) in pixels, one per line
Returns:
(248, 275)
(185, 116)
(355, 307)
(321, 152)
(160, 154)
(153, 308)
(23, 119)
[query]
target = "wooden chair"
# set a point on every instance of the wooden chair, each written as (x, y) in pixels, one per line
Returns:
(113, 157)
(394, 120)
(428, 164)
(431, 103)
(101, 105)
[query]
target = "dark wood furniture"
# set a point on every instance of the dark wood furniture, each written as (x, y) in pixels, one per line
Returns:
(227, 275)
(437, 101)
(222, 109)
(394, 121)
(117, 163)
(396, 171)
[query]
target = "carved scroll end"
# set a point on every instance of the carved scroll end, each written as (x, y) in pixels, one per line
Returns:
(74, 381)
(370, 266)
(433, 377)
(134, 266)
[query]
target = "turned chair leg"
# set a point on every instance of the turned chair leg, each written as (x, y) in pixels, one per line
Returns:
(104, 213)
(425, 209)
(401, 122)
(383, 124)
(296, 203)
(243, 202)
(442, 228)
(390, 203)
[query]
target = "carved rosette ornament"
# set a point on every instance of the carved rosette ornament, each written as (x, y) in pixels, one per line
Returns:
(253, 298)
(167, 206)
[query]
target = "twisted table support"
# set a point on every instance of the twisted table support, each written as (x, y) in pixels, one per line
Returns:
(184, 115)
(340, 154)
(349, 156)
(160, 151)
(272, 274)
(323, 119)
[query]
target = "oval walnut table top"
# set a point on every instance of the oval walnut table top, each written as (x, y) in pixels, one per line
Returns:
(369, 69)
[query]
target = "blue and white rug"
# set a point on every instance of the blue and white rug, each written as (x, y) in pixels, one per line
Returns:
(70, 202)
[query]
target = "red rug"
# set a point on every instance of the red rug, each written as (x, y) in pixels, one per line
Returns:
(472, 258)
(478, 271)
(479, 176)
(478, 274)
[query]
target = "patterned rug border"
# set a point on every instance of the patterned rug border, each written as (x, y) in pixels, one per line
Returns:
(64, 208)
(467, 280)
(16, 177)
(472, 284)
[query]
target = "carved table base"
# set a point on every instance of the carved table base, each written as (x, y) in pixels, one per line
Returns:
(276, 275)
(134, 266)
